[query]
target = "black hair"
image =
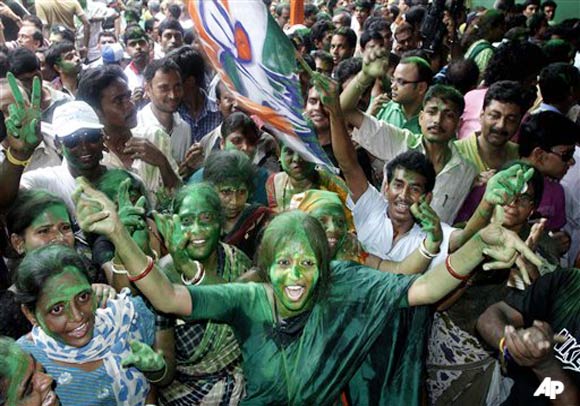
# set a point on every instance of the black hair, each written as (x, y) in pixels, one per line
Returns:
(170, 24)
(413, 161)
(558, 50)
(66, 34)
(376, 23)
(549, 3)
(23, 60)
(229, 166)
(34, 20)
(149, 25)
(281, 7)
(322, 55)
(506, 91)
(447, 94)
(174, 10)
(319, 30)
(94, 81)
(55, 51)
(546, 130)
(188, 36)
(4, 68)
(310, 10)
(394, 10)
(349, 34)
(514, 61)
(424, 72)
(535, 21)
(238, 121)
(347, 69)
(106, 34)
(345, 17)
(369, 35)
(415, 16)
(41, 264)
(27, 206)
(462, 74)
(366, 4)
(558, 81)
(165, 65)
(190, 62)
(133, 31)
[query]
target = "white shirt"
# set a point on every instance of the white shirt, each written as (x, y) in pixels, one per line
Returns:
(180, 136)
(452, 184)
(571, 185)
(375, 230)
(134, 79)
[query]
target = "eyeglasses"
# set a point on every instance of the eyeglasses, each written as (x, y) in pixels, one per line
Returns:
(564, 156)
(73, 141)
(403, 82)
(524, 200)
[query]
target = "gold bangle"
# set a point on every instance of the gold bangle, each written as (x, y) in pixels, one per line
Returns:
(15, 161)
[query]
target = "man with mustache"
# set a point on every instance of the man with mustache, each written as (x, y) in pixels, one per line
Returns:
(65, 60)
(490, 148)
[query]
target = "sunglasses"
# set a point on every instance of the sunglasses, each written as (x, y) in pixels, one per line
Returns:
(73, 141)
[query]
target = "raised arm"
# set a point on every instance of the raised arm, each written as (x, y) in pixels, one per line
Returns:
(375, 65)
(494, 241)
(23, 136)
(97, 214)
(342, 146)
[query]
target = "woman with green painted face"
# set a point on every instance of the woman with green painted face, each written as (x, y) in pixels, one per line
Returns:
(96, 355)
(305, 333)
(23, 381)
(232, 175)
(207, 356)
(299, 175)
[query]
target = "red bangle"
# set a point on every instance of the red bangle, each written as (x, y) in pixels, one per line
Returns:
(146, 272)
(452, 271)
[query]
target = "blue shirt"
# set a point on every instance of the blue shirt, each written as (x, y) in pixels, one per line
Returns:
(209, 118)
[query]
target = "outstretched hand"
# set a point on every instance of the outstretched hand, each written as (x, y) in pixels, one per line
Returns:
(504, 246)
(503, 187)
(95, 212)
(133, 216)
(23, 121)
(144, 358)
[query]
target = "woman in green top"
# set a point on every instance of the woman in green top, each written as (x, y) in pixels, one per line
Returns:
(305, 333)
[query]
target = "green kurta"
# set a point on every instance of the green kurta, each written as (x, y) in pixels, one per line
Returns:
(340, 331)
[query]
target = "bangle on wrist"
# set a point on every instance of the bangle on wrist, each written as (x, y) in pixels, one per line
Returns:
(146, 271)
(118, 269)
(162, 376)
(197, 278)
(452, 271)
(15, 161)
(425, 252)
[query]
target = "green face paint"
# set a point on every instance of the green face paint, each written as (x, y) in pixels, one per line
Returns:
(202, 222)
(66, 308)
(334, 224)
(296, 167)
(52, 226)
(294, 275)
(69, 68)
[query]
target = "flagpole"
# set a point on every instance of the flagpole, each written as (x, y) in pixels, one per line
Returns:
(296, 12)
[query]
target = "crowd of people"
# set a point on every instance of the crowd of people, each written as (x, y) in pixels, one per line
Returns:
(161, 246)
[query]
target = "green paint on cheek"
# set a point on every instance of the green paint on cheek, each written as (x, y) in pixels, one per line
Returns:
(18, 364)
(68, 67)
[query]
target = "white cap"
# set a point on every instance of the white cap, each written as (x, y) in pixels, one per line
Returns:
(70, 117)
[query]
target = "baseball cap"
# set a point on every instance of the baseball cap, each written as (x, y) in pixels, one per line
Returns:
(112, 53)
(73, 116)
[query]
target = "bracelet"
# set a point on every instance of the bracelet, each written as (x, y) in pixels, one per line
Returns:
(501, 344)
(452, 271)
(15, 161)
(148, 269)
(162, 376)
(425, 252)
(118, 271)
(198, 278)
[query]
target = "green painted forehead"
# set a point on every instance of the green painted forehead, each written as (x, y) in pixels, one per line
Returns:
(57, 289)
(333, 210)
(59, 211)
(199, 202)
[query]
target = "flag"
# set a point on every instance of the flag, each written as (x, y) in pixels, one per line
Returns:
(257, 62)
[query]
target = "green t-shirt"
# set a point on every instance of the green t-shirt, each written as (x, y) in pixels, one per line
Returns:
(338, 335)
(392, 113)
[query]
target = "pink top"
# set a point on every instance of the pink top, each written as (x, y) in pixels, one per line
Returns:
(470, 118)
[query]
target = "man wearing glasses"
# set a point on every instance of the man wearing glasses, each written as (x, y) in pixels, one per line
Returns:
(411, 80)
